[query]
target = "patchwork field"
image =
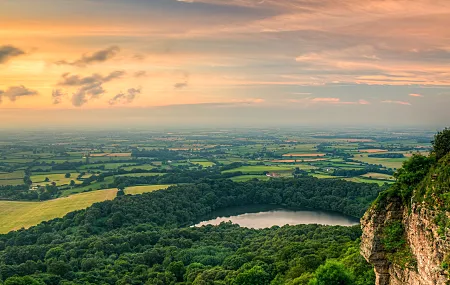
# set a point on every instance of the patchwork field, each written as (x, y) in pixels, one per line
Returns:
(59, 179)
(386, 162)
(260, 169)
(16, 215)
(303, 154)
(244, 178)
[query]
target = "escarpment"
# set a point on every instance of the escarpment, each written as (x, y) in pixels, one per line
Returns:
(406, 233)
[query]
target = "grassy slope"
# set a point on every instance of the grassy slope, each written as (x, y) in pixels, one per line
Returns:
(15, 215)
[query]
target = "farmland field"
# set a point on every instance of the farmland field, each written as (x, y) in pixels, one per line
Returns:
(16, 215)
(387, 162)
(260, 169)
(243, 178)
(135, 190)
(59, 179)
(378, 176)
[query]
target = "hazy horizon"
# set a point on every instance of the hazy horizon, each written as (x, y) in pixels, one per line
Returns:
(224, 62)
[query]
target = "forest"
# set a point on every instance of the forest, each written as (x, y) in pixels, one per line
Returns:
(147, 239)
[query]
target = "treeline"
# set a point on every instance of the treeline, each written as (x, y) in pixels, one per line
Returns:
(175, 176)
(359, 172)
(138, 239)
(387, 155)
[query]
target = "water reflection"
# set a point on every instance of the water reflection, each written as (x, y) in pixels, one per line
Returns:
(259, 217)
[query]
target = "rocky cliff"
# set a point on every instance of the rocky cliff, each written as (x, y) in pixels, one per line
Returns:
(405, 232)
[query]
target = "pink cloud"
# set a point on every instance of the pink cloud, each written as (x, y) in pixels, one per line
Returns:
(396, 102)
(363, 102)
(415, 95)
(329, 100)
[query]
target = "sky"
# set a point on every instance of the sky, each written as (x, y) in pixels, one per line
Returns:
(224, 62)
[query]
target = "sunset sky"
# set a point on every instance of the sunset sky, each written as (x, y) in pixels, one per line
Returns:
(224, 62)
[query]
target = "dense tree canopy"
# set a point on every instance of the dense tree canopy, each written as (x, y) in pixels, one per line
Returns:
(147, 239)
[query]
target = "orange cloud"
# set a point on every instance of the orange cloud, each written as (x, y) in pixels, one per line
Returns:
(415, 95)
(396, 102)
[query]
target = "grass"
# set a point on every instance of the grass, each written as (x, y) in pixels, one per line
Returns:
(13, 182)
(59, 179)
(16, 215)
(260, 169)
(303, 154)
(243, 178)
(386, 162)
(139, 174)
(93, 186)
(143, 167)
(366, 180)
(380, 176)
(323, 176)
(136, 190)
(204, 163)
(12, 175)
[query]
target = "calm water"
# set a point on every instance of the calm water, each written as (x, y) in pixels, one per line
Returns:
(260, 217)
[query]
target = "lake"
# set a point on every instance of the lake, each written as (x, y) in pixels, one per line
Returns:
(266, 216)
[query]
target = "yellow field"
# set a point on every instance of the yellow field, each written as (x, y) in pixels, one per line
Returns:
(59, 179)
(16, 215)
(144, 189)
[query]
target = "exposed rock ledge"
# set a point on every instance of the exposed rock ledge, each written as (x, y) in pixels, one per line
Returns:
(427, 247)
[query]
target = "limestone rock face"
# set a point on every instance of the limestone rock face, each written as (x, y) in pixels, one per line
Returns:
(421, 230)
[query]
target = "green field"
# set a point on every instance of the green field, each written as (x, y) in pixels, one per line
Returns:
(366, 180)
(93, 186)
(143, 167)
(135, 190)
(243, 178)
(12, 175)
(14, 182)
(16, 215)
(59, 179)
(260, 169)
(387, 162)
(139, 174)
(204, 163)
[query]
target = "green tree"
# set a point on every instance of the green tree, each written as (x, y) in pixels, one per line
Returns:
(441, 143)
(21, 281)
(67, 175)
(177, 268)
(254, 276)
(332, 273)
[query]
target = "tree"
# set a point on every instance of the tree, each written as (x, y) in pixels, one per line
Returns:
(21, 281)
(47, 179)
(67, 175)
(441, 143)
(254, 276)
(121, 190)
(332, 273)
(72, 183)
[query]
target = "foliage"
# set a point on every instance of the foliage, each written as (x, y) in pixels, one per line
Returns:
(332, 273)
(441, 143)
(146, 239)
